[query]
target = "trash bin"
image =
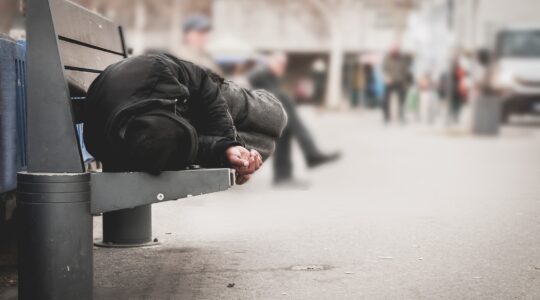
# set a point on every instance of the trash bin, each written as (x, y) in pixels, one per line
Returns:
(12, 112)
(486, 115)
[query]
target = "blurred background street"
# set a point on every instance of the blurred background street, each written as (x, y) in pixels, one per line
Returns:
(409, 213)
(415, 163)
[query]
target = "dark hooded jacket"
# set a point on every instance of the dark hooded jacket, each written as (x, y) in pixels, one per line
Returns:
(155, 83)
(258, 115)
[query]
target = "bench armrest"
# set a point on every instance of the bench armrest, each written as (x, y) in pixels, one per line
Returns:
(115, 191)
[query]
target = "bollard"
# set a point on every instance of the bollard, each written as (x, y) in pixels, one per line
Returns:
(55, 236)
(486, 115)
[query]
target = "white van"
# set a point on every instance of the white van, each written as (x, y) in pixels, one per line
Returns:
(515, 75)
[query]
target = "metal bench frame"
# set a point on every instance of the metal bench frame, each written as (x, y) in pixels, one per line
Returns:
(56, 197)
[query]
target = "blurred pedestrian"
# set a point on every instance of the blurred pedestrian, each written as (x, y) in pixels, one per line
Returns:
(304, 90)
(459, 90)
(196, 32)
(396, 77)
(379, 87)
(358, 85)
(370, 97)
(319, 75)
(269, 77)
(427, 99)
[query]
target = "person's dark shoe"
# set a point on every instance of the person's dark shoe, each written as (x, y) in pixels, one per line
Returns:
(321, 159)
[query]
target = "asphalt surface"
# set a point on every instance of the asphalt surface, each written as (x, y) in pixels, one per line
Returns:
(410, 212)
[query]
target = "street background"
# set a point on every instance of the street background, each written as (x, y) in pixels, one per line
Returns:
(435, 194)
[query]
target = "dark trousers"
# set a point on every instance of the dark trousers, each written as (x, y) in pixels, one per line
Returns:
(400, 90)
(455, 106)
(283, 166)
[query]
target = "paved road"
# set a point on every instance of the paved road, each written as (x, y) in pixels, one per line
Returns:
(409, 213)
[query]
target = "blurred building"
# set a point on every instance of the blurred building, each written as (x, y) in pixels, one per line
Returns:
(149, 25)
(333, 30)
(310, 26)
(438, 29)
(476, 22)
(336, 31)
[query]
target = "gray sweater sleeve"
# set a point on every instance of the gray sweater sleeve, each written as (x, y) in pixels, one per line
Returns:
(258, 115)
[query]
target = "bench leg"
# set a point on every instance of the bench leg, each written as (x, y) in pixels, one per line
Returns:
(55, 236)
(128, 228)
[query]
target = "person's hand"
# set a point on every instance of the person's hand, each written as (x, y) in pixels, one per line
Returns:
(241, 179)
(255, 163)
(255, 160)
(238, 157)
(245, 162)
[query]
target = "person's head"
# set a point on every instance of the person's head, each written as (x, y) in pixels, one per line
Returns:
(196, 30)
(159, 141)
(277, 63)
(395, 49)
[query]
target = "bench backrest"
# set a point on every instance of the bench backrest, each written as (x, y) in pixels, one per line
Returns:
(68, 46)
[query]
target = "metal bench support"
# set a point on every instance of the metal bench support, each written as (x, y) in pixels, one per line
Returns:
(125, 198)
(128, 228)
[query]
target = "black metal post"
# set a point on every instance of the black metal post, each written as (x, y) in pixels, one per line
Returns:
(55, 236)
(127, 228)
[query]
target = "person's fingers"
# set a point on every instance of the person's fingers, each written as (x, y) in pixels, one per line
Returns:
(256, 158)
(259, 160)
(246, 162)
(247, 171)
(257, 155)
(246, 155)
(256, 164)
(242, 179)
(244, 171)
(238, 162)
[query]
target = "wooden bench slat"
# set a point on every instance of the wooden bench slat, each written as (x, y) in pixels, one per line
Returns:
(80, 57)
(81, 80)
(77, 23)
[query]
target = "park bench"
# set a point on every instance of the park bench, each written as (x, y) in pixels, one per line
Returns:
(67, 47)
